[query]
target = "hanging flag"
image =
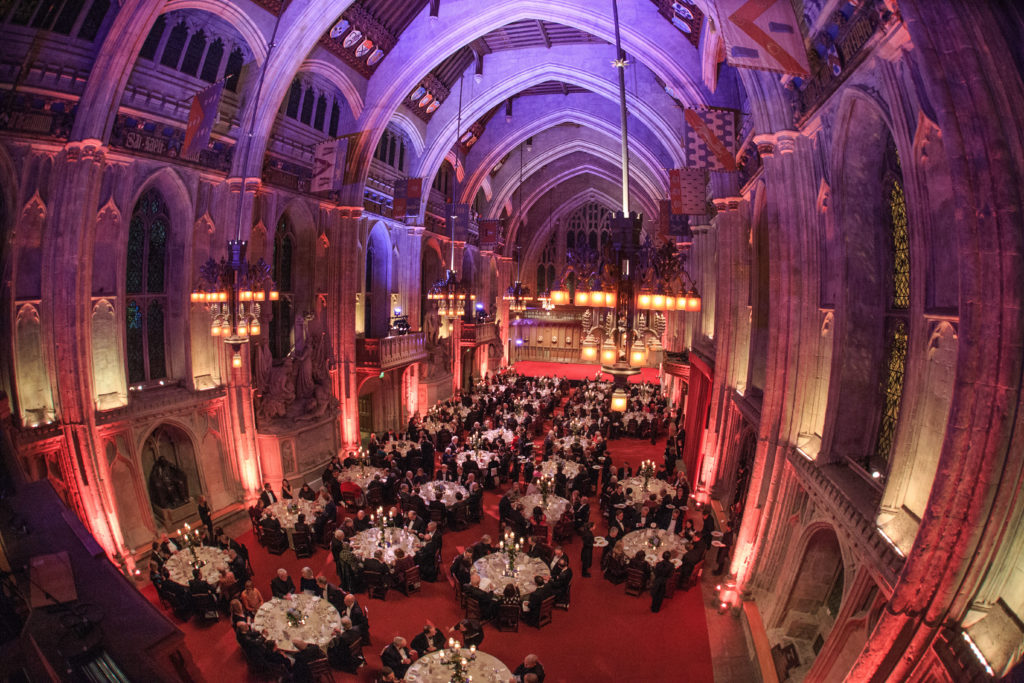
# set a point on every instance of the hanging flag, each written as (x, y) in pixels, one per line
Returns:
(408, 192)
(490, 234)
(201, 117)
(329, 165)
(688, 190)
(763, 34)
(459, 212)
(710, 140)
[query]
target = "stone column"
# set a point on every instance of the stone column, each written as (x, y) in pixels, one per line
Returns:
(342, 228)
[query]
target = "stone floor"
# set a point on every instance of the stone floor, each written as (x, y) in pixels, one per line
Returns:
(732, 654)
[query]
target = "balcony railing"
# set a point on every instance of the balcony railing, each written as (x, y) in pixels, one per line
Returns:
(474, 334)
(390, 352)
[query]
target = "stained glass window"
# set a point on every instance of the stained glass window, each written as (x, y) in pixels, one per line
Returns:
(900, 246)
(281, 310)
(896, 363)
(145, 275)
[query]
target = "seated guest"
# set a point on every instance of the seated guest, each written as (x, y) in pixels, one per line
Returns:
(330, 593)
(270, 522)
(307, 582)
(156, 577)
(282, 584)
(238, 564)
(387, 675)
(462, 566)
(251, 598)
(225, 579)
(362, 521)
(267, 497)
(286, 490)
(615, 567)
(339, 649)
(237, 612)
(397, 657)
(472, 632)
(639, 561)
(530, 665)
(488, 606)
(354, 612)
(300, 523)
(377, 564)
(402, 563)
(304, 654)
(531, 606)
(428, 640)
(307, 493)
(196, 586)
(482, 548)
(328, 514)
(511, 595)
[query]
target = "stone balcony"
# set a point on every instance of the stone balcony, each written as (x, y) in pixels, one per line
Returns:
(475, 334)
(390, 352)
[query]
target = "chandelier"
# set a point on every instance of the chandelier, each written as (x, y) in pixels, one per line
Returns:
(518, 294)
(449, 293)
(233, 290)
(627, 285)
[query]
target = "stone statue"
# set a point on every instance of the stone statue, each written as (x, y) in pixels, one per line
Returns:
(280, 393)
(316, 405)
(304, 372)
(168, 485)
(262, 370)
(431, 328)
(322, 359)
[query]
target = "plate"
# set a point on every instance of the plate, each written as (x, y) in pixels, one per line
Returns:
(716, 533)
(717, 544)
(600, 541)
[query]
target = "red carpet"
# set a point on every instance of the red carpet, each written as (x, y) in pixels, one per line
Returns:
(605, 636)
(536, 368)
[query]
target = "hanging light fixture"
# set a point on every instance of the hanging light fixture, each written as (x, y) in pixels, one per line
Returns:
(627, 284)
(449, 292)
(234, 289)
(518, 294)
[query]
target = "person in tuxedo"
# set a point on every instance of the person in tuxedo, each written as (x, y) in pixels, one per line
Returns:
(691, 559)
(330, 593)
(397, 657)
(339, 649)
(662, 575)
(472, 632)
(531, 606)
(415, 523)
(708, 526)
(282, 584)
(482, 548)
(581, 514)
(354, 611)
(267, 497)
(462, 566)
(562, 582)
(377, 564)
(486, 601)
(530, 665)
(270, 522)
(305, 653)
(587, 551)
(427, 640)
(645, 520)
(307, 582)
(196, 585)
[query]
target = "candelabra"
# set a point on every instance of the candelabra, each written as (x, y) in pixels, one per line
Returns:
(510, 546)
(647, 471)
(453, 658)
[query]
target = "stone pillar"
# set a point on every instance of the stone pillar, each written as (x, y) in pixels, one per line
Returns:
(410, 253)
(66, 303)
(342, 228)
(505, 270)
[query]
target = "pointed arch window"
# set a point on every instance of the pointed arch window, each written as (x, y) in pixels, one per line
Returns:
(281, 310)
(146, 289)
(898, 305)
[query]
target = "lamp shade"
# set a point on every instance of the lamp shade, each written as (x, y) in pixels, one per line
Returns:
(608, 353)
(589, 350)
(619, 400)
(637, 355)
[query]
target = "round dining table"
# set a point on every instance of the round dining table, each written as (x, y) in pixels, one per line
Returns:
(494, 568)
(313, 620)
(638, 495)
(569, 468)
(361, 475)
(483, 667)
(654, 542)
(553, 510)
(567, 442)
(180, 564)
(493, 435)
(447, 490)
(366, 543)
(481, 458)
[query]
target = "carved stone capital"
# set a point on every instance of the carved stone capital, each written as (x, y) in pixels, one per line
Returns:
(86, 150)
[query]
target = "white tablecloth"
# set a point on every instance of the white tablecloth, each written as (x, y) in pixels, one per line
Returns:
(494, 568)
(639, 496)
(553, 511)
(493, 435)
(319, 617)
(550, 467)
(180, 568)
(403, 446)
(365, 543)
(362, 476)
(567, 442)
(481, 458)
(428, 491)
(288, 511)
(484, 669)
(641, 540)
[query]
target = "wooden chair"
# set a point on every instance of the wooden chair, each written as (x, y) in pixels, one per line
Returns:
(320, 670)
(473, 610)
(257, 530)
(409, 581)
(438, 515)
(275, 540)
(460, 516)
(544, 611)
(694, 578)
(376, 585)
(563, 529)
(350, 499)
(374, 497)
(508, 617)
(636, 581)
(329, 528)
(204, 606)
(302, 542)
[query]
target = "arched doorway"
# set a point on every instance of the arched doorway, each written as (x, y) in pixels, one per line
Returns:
(169, 466)
(815, 598)
(431, 270)
(377, 284)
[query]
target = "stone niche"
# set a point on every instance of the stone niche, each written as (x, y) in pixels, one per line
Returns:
(299, 451)
(434, 389)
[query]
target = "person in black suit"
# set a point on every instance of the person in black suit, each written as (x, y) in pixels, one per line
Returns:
(472, 632)
(196, 586)
(354, 612)
(270, 522)
(662, 574)
(530, 665)
(488, 605)
(581, 514)
(587, 551)
(377, 564)
(397, 657)
(204, 514)
(330, 593)
(723, 553)
(461, 566)
(267, 497)
(691, 559)
(415, 523)
(282, 584)
(482, 548)
(304, 654)
(428, 640)
(708, 526)
(339, 649)
(307, 582)
(562, 583)
(531, 606)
